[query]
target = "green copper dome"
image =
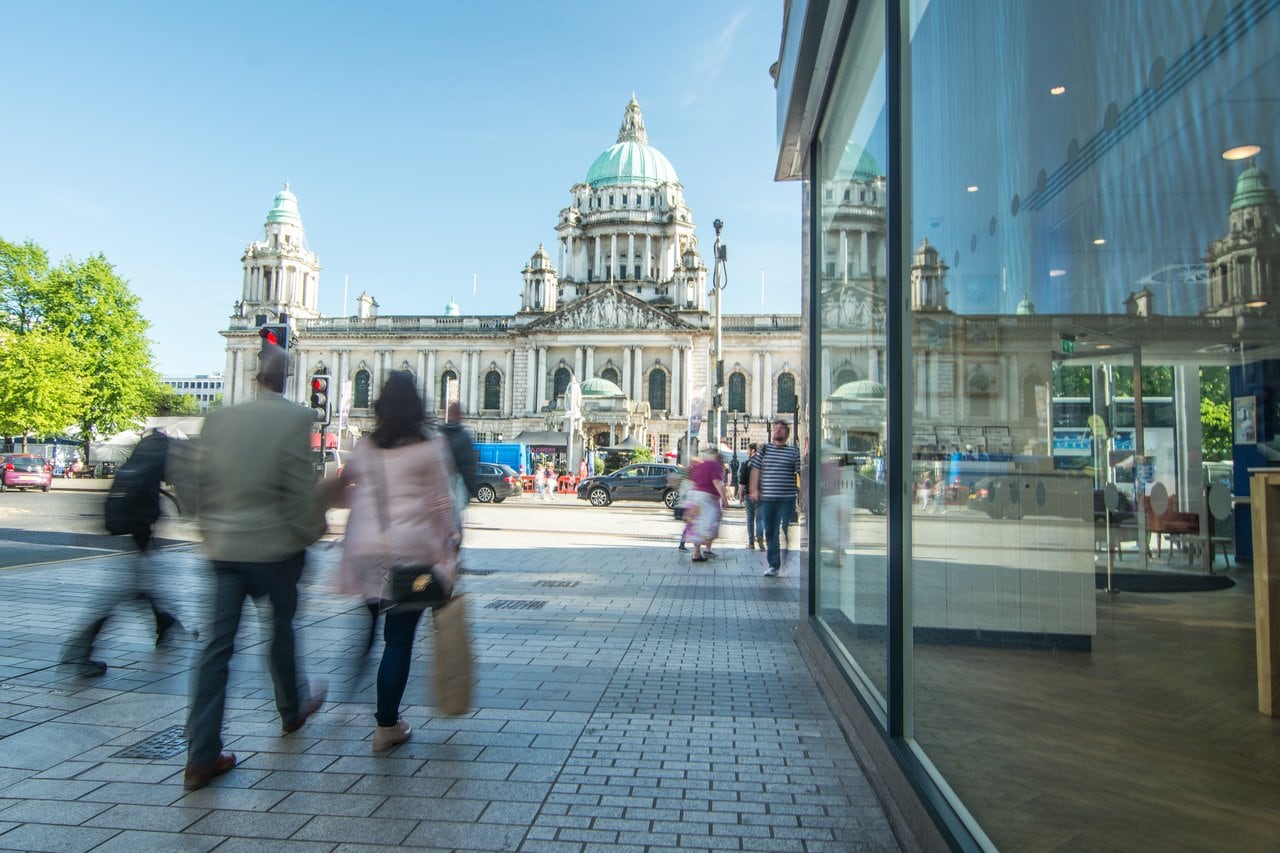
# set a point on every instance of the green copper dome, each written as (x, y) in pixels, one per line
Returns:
(286, 208)
(1253, 188)
(597, 387)
(1025, 307)
(860, 389)
(631, 161)
(451, 309)
(857, 164)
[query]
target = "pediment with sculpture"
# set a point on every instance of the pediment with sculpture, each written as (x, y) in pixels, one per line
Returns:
(608, 310)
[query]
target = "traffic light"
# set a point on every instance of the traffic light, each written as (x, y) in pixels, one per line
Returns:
(320, 398)
(275, 335)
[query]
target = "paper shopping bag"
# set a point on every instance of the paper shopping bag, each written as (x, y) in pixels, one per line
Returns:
(452, 681)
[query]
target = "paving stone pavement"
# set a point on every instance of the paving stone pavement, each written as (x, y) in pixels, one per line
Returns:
(645, 704)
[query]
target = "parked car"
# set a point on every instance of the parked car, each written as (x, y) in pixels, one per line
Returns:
(495, 483)
(643, 481)
(328, 463)
(870, 495)
(25, 471)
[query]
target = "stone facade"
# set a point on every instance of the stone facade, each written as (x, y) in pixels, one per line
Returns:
(626, 303)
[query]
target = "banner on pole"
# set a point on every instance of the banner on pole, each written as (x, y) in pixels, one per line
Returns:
(697, 408)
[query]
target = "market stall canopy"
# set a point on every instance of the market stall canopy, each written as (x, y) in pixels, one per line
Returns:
(115, 449)
(627, 445)
(541, 438)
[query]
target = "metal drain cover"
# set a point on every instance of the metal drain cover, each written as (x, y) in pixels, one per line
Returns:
(515, 604)
(557, 583)
(165, 744)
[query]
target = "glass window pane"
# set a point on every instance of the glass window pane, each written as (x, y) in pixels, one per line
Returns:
(851, 573)
(1094, 290)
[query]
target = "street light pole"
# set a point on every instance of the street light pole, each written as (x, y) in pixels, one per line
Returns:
(719, 280)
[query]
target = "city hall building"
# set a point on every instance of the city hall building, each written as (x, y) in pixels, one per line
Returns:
(623, 307)
(1041, 255)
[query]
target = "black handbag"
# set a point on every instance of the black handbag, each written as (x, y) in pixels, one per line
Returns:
(406, 587)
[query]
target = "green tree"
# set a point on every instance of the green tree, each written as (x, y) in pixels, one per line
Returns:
(94, 308)
(24, 269)
(42, 385)
(166, 401)
(1072, 380)
(1157, 381)
(1215, 385)
(642, 454)
(86, 306)
(1215, 427)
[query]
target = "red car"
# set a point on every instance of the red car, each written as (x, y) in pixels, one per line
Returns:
(25, 471)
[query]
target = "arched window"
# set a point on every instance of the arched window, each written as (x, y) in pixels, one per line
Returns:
(845, 375)
(448, 389)
(561, 382)
(493, 390)
(361, 400)
(737, 392)
(658, 389)
(786, 393)
(610, 374)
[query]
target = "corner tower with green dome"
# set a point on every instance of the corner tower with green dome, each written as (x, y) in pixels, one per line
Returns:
(628, 227)
(281, 275)
(1244, 265)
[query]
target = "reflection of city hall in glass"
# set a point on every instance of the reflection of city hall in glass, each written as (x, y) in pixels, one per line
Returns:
(624, 308)
(1077, 208)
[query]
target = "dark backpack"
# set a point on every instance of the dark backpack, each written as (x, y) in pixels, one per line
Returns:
(133, 503)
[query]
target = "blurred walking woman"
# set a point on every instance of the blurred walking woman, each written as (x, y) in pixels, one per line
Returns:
(402, 510)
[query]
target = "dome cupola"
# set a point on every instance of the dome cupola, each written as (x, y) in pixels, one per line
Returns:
(631, 161)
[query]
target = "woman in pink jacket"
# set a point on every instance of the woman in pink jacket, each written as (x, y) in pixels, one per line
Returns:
(402, 510)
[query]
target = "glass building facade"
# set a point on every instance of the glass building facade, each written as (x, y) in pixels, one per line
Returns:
(1042, 255)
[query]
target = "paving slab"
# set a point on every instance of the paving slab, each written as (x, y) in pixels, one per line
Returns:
(626, 699)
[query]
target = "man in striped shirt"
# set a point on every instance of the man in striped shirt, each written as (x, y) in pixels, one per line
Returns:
(773, 487)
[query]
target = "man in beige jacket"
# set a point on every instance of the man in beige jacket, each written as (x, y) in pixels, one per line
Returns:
(258, 513)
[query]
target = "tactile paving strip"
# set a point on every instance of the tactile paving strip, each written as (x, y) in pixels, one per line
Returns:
(557, 583)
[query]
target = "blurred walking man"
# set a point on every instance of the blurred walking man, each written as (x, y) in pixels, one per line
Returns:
(774, 486)
(258, 516)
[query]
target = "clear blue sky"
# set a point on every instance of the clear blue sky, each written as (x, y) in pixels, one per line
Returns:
(425, 142)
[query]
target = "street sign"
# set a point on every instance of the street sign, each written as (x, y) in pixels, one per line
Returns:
(1068, 346)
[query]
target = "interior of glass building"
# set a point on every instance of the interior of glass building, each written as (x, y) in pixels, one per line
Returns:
(1043, 247)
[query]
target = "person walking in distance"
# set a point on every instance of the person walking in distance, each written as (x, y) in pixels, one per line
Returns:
(133, 508)
(399, 485)
(773, 485)
(755, 520)
(256, 530)
(464, 455)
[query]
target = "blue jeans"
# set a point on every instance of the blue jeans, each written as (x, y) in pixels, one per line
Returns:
(777, 513)
(755, 520)
(398, 629)
(278, 582)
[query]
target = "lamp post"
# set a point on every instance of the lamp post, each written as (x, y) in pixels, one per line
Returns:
(736, 418)
(719, 280)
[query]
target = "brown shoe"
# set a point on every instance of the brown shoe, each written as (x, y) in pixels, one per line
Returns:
(317, 701)
(196, 778)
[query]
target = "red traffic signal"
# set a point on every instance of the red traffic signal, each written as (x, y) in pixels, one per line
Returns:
(320, 397)
(274, 335)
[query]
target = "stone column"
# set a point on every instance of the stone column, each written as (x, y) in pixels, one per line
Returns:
(873, 365)
(639, 373)
(676, 411)
(626, 371)
(767, 390)
(569, 265)
(530, 378)
(687, 384)
(429, 382)
(757, 387)
(509, 386)
(591, 363)
(844, 255)
(598, 259)
(301, 381)
(648, 256)
(542, 378)
(422, 376)
(631, 250)
(864, 262)
(579, 359)
(613, 255)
